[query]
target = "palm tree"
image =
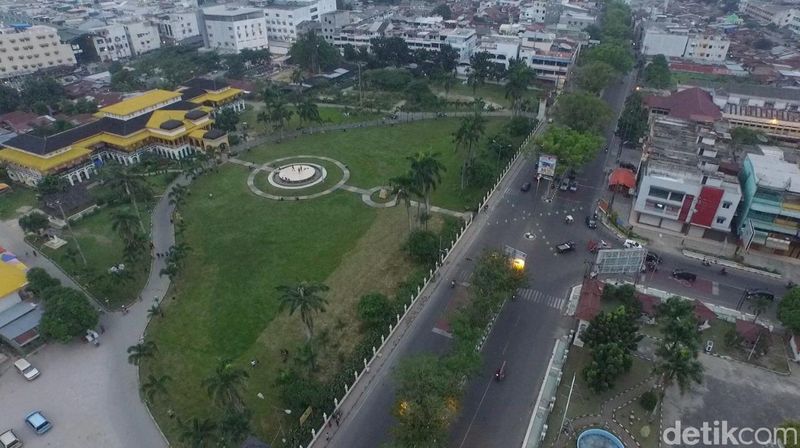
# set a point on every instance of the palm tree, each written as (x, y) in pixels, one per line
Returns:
(519, 77)
(280, 116)
(135, 247)
(403, 189)
(177, 196)
(308, 111)
(467, 137)
(234, 427)
(678, 364)
(758, 305)
(155, 310)
(426, 174)
(124, 183)
(155, 385)
(197, 433)
(448, 80)
(141, 351)
(305, 297)
(297, 76)
(225, 383)
(125, 224)
(307, 356)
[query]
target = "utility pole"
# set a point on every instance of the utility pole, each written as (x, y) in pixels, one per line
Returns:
(566, 408)
(360, 88)
(69, 227)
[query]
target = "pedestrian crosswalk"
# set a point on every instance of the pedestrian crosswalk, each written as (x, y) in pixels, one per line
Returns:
(540, 297)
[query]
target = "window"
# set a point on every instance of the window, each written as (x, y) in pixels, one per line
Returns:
(721, 219)
(659, 193)
(727, 204)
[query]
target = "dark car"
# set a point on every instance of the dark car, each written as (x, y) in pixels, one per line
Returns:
(525, 187)
(573, 185)
(591, 222)
(653, 257)
(684, 275)
(752, 294)
(564, 185)
(627, 165)
(566, 246)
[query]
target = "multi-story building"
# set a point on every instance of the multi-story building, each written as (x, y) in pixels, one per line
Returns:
(230, 29)
(783, 15)
(26, 49)
(170, 124)
(707, 47)
(284, 18)
(534, 12)
(176, 27)
(667, 40)
(769, 218)
(502, 49)
(550, 57)
(142, 37)
(574, 20)
(682, 186)
(333, 22)
(110, 42)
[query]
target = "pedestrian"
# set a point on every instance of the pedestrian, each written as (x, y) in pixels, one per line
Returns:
(124, 309)
(26, 253)
(34, 254)
(327, 436)
(102, 329)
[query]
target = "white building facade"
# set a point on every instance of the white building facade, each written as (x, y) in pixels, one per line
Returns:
(671, 42)
(502, 49)
(24, 50)
(534, 12)
(142, 37)
(110, 42)
(230, 29)
(178, 26)
(283, 19)
(704, 47)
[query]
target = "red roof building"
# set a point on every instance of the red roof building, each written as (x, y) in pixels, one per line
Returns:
(749, 331)
(589, 303)
(622, 179)
(694, 104)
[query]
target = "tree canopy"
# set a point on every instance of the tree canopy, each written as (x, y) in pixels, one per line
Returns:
(632, 124)
(612, 53)
(67, 314)
(789, 310)
(594, 76)
(313, 53)
(572, 148)
(582, 112)
(443, 10)
(657, 74)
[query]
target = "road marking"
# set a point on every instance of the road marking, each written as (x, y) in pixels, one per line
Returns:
(441, 332)
(715, 288)
(536, 296)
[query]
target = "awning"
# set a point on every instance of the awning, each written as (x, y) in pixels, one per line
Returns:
(622, 176)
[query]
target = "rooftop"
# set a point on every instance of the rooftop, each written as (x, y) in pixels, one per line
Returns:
(12, 278)
(693, 104)
(146, 100)
(228, 10)
(754, 90)
(772, 171)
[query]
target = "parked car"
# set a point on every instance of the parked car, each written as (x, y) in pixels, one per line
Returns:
(591, 222)
(37, 421)
(10, 440)
(525, 187)
(566, 246)
(653, 257)
(759, 294)
(564, 185)
(684, 275)
(573, 185)
(709, 346)
(631, 244)
(26, 369)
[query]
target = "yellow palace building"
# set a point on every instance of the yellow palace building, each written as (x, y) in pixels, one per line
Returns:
(171, 124)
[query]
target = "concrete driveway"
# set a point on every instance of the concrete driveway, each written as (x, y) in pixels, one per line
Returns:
(89, 393)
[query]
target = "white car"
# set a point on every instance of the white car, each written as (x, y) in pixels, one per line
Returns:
(10, 440)
(631, 244)
(26, 369)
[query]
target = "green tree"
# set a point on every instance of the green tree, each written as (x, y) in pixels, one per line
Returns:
(617, 327)
(121, 181)
(614, 54)
(135, 247)
(154, 311)
(39, 280)
(758, 305)
(125, 81)
(519, 77)
(632, 124)
(306, 356)
(125, 223)
(480, 65)
(9, 99)
(582, 112)
(609, 361)
(177, 195)
(375, 312)
(279, 116)
(390, 51)
(226, 120)
(789, 310)
(447, 58)
(51, 184)
(572, 148)
(466, 138)
(197, 433)
(425, 173)
(303, 297)
(745, 136)
(34, 222)
(234, 427)
(657, 74)
(308, 112)
(67, 314)
(423, 247)
(678, 364)
(313, 53)
(443, 11)
(676, 355)
(140, 351)
(154, 386)
(594, 76)
(403, 189)
(226, 383)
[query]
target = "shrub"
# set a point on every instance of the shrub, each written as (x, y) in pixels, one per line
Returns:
(388, 79)
(39, 280)
(423, 247)
(648, 400)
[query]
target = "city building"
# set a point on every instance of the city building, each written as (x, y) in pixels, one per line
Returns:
(574, 20)
(550, 57)
(110, 42)
(769, 219)
(333, 22)
(783, 15)
(667, 40)
(19, 318)
(684, 184)
(142, 37)
(707, 47)
(25, 49)
(534, 12)
(283, 18)
(692, 104)
(176, 27)
(230, 29)
(158, 121)
(502, 49)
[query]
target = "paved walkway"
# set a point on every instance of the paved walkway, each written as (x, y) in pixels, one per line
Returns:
(90, 393)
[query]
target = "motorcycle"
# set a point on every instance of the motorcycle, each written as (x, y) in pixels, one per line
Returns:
(500, 374)
(723, 271)
(452, 284)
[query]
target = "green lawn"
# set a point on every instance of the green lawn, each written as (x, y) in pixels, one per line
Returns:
(225, 303)
(103, 249)
(375, 155)
(334, 175)
(329, 116)
(18, 197)
(489, 92)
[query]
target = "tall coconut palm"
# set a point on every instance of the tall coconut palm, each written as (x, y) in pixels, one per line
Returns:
(135, 247)
(308, 112)
(403, 190)
(466, 138)
(225, 384)
(279, 116)
(155, 311)
(197, 433)
(155, 385)
(125, 184)
(426, 174)
(234, 427)
(448, 81)
(125, 223)
(140, 351)
(519, 78)
(303, 297)
(758, 305)
(678, 364)
(177, 195)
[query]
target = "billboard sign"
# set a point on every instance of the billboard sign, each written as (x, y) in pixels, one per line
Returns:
(547, 165)
(620, 261)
